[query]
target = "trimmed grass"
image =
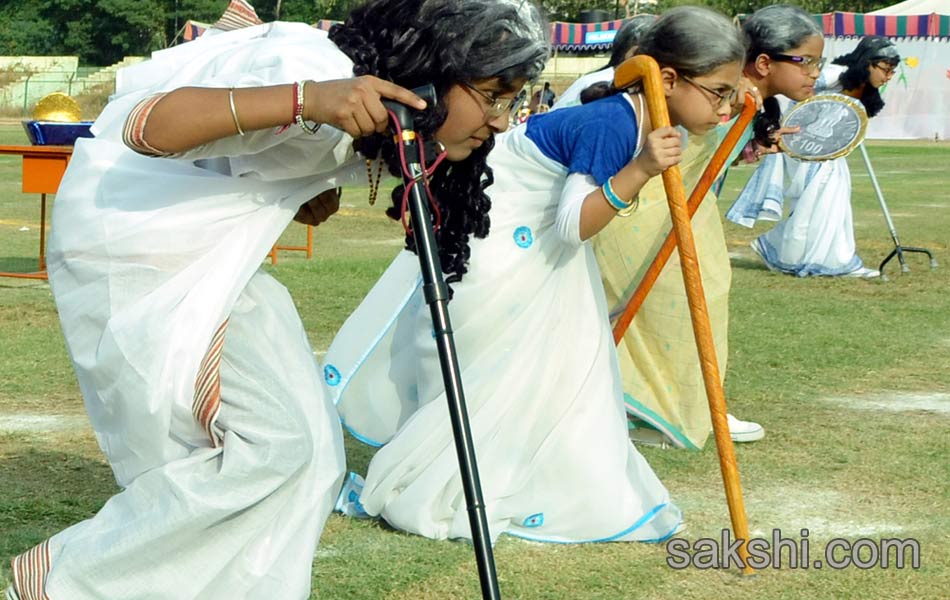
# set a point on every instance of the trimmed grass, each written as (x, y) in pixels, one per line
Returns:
(808, 359)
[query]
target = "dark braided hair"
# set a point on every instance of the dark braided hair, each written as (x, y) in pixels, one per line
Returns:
(870, 50)
(444, 42)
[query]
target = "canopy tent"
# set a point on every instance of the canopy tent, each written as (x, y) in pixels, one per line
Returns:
(915, 7)
(918, 97)
(840, 24)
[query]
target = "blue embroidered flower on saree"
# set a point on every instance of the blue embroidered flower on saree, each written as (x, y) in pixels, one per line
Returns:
(524, 237)
(331, 375)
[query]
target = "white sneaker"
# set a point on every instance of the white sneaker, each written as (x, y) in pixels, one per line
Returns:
(744, 431)
(348, 502)
(863, 273)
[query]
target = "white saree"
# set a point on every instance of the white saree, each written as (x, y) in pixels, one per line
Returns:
(817, 235)
(151, 262)
(540, 377)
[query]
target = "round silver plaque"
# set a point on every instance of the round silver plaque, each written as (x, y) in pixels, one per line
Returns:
(831, 125)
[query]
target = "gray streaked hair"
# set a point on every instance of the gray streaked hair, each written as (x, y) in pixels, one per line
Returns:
(491, 38)
(777, 29)
(693, 40)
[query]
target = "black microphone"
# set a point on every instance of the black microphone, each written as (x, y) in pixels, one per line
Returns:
(404, 113)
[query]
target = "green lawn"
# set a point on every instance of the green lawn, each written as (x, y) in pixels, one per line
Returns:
(850, 379)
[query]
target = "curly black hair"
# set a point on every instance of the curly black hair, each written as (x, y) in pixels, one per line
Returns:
(444, 43)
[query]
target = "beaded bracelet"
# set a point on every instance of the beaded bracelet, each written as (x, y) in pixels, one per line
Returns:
(613, 199)
(298, 109)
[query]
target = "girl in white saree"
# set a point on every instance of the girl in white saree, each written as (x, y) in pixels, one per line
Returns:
(530, 320)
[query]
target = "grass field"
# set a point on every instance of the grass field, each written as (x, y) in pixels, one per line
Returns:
(850, 378)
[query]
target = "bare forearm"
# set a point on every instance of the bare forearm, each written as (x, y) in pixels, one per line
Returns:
(190, 117)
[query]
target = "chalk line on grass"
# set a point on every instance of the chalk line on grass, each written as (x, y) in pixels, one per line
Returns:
(935, 402)
(824, 513)
(373, 241)
(35, 423)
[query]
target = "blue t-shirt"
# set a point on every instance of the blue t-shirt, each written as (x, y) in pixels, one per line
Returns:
(596, 139)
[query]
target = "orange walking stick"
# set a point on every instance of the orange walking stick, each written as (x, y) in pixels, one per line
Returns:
(695, 199)
(646, 69)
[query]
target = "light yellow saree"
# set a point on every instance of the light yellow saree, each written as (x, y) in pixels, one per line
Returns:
(659, 363)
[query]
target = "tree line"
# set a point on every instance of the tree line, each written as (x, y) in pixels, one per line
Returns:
(102, 32)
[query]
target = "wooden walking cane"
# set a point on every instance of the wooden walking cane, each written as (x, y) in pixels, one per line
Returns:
(695, 199)
(646, 69)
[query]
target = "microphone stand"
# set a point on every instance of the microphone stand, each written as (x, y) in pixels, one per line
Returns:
(436, 296)
(898, 250)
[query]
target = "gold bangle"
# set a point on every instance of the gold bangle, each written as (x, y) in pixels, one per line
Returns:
(626, 212)
(237, 123)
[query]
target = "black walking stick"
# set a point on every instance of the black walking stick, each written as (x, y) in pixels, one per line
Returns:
(898, 250)
(412, 157)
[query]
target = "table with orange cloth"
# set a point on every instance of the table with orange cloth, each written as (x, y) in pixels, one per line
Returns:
(43, 169)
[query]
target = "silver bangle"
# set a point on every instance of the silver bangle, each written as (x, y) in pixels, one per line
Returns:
(298, 114)
(237, 123)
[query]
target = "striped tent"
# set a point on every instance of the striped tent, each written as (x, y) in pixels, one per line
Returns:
(238, 14)
(584, 37)
(845, 24)
(192, 30)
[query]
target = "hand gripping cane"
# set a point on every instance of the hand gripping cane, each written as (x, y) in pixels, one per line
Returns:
(414, 176)
(646, 69)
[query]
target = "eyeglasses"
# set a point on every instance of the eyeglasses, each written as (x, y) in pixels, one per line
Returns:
(807, 63)
(496, 106)
(885, 68)
(721, 99)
